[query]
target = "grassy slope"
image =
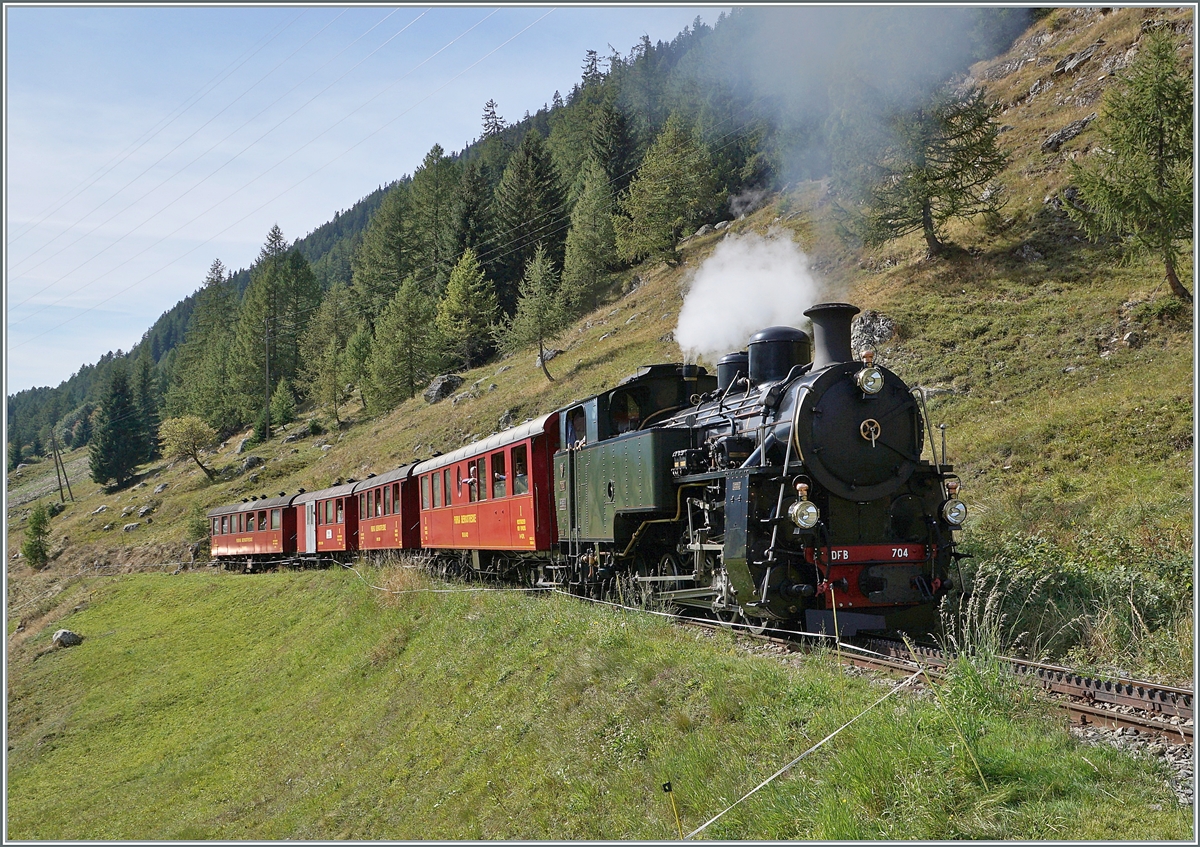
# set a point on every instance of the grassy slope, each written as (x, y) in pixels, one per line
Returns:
(305, 705)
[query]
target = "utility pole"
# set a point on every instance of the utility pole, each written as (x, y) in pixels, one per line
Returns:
(267, 360)
(58, 462)
(54, 455)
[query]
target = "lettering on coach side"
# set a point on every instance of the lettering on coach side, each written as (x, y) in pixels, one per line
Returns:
(461, 519)
(382, 527)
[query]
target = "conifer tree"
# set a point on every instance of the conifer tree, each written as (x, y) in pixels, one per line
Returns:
(405, 339)
(467, 312)
(1139, 183)
(938, 165)
(385, 257)
(323, 350)
(611, 143)
(36, 546)
(432, 195)
(144, 397)
(591, 242)
(115, 451)
(283, 403)
(356, 364)
(530, 210)
(540, 316)
(472, 217)
(493, 124)
(14, 455)
(671, 193)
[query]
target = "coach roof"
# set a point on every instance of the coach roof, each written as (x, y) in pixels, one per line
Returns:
(495, 442)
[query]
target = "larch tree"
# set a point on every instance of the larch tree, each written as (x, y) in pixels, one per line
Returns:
(591, 242)
(467, 312)
(540, 316)
(529, 210)
(36, 546)
(405, 340)
(1138, 184)
(671, 193)
(939, 163)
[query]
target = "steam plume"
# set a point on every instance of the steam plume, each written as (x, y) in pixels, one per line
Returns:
(748, 283)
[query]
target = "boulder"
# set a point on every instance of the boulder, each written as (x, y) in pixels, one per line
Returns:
(295, 436)
(869, 329)
(107, 527)
(721, 225)
(100, 508)
(160, 488)
(546, 356)
(145, 510)
(241, 448)
(1132, 340)
(66, 638)
(130, 527)
(704, 230)
(252, 462)
(1058, 139)
(442, 387)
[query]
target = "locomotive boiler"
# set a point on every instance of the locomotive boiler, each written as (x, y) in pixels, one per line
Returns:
(788, 490)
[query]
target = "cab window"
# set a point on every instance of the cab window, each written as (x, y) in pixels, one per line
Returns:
(624, 413)
(576, 427)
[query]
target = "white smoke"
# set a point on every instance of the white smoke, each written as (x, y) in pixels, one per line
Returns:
(747, 284)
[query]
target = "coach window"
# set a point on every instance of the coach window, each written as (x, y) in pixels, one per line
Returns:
(437, 489)
(262, 521)
(446, 483)
(395, 498)
(370, 510)
(224, 526)
(362, 503)
(379, 502)
(520, 469)
(341, 518)
(499, 489)
(276, 514)
(387, 499)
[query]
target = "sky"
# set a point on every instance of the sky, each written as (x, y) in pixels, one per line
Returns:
(142, 143)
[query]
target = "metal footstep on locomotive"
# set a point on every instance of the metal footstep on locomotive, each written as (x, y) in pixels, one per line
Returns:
(799, 487)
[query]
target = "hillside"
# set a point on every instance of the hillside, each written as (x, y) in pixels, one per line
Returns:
(1074, 444)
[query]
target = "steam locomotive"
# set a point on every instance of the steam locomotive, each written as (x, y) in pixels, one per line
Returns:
(788, 489)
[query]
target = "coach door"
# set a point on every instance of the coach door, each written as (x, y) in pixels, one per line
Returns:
(310, 526)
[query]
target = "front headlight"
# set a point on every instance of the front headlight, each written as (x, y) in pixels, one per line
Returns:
(955, 512)
(804, 514)
(869, 380)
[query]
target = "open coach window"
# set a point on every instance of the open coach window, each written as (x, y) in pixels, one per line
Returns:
(520, 460)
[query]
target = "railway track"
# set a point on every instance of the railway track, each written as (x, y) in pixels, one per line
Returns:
(1144, 708)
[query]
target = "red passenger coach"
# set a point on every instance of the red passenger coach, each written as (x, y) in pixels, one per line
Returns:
(388, 515)
(495, 494)
(327, 520)
(263, 527)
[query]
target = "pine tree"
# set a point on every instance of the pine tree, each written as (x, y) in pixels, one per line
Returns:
(405, 339)
(323, 350)
(283, 403)
(432, 196)
(939, 165)
(540, 316)
(356, 363)
(144, 397)
(493, 124)
(591, 242)
(1139, 182)
(467, 312)
(200, 375)
(385, 257)
(472, 217)
(36, 546)
(115, 451)
(530, 210)
(14, 455)
(611, 143)
(671, 193)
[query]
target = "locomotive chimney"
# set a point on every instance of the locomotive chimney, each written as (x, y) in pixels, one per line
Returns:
(831, 333)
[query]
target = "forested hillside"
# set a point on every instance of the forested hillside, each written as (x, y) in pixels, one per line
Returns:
(724, 114)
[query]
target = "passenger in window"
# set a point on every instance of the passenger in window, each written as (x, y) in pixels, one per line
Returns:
(520, 471)
(626, 414)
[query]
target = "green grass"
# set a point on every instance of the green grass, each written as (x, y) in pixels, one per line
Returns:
(308, 706)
